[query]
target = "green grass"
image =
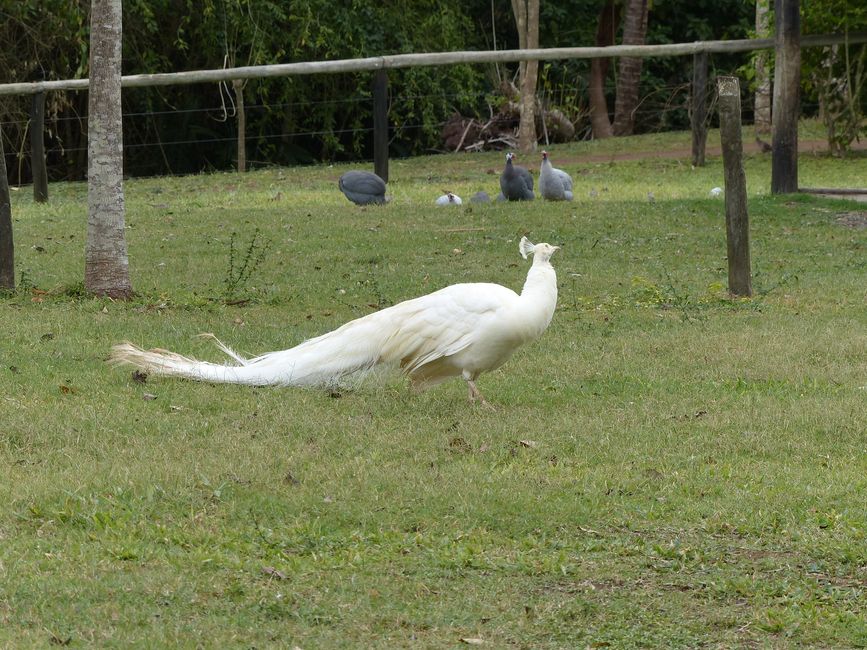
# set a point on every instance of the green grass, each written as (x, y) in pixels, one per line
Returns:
(667, 467)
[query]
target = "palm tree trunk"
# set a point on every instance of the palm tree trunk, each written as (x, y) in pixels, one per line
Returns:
(106, 270)
(629, 69)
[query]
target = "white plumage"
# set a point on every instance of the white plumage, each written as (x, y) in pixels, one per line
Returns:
(461, 330)
(554, 184)
(449, 198)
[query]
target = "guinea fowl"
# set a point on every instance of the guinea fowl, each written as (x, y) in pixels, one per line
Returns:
(516, 183)
(461, 330)
(554, 184)
(449, 198)
(362, 188)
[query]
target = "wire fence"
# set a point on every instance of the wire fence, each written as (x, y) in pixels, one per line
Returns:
(665, 107)
(664, 100)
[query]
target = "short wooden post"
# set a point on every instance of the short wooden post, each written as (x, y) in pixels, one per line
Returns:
(786, 102)
(699, 107)
(380, 124)
(737, 219)
(7, 250)
(37, 148)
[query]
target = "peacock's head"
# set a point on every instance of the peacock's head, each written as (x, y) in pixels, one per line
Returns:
(541, 252)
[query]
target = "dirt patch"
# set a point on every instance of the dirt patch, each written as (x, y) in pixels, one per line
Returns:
(857, 219)
(861, 197)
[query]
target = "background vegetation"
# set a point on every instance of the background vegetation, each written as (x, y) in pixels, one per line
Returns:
(328, 117)
(667, 467)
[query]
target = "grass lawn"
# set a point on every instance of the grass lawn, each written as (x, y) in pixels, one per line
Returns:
(667, 467)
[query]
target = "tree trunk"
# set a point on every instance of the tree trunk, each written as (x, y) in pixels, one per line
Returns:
(609, 18)
(629, 68)
(762, 118)
(106, 271)
(7, 250)
(238, 87)
(527, 20)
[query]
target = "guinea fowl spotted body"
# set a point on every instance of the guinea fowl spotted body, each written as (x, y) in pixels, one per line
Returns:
(362, 188)
(461, 330)
(554, 184)
(516, 184)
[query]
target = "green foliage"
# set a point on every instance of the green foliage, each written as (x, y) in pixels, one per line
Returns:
(835, 78)
(330, 114)
(43, 39)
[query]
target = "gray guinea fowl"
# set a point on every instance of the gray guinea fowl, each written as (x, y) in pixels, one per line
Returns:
(516, 184)
(362, 188)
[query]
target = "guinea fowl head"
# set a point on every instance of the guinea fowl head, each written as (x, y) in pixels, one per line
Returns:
(544, 155)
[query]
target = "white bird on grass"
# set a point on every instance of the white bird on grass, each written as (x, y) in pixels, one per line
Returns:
(449, 198)
(461, 330)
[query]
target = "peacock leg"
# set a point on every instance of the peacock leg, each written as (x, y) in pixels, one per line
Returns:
(475, 394)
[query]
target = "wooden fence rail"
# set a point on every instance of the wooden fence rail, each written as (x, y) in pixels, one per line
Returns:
(395, 61)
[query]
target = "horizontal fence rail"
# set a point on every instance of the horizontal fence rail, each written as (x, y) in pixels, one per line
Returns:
(396, 61)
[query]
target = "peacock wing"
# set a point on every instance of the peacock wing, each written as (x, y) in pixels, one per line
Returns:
(443, 323)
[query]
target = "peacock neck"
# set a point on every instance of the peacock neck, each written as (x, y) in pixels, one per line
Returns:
(538, 299)
(541, 283)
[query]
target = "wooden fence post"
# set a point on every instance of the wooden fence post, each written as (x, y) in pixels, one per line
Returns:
(238, 87)
(380, 124)
(737, 219)
(7, 250)
(699, 107)
(787, 83)
(37, 148)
